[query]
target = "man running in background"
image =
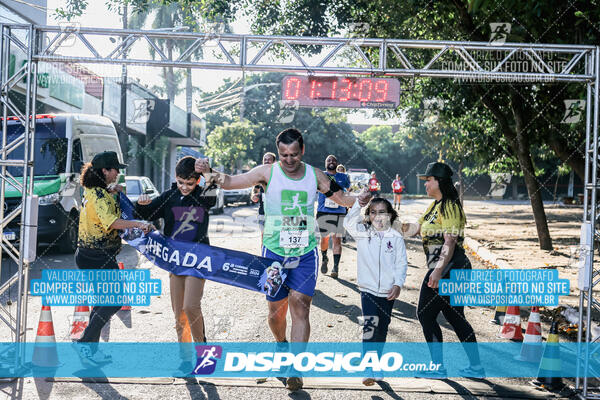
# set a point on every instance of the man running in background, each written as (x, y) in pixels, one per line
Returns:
(330, 217)
(289, 235)
(374, 186)
(397, 188)
(259, 190)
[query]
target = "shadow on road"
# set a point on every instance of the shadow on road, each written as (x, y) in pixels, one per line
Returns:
(329, 304)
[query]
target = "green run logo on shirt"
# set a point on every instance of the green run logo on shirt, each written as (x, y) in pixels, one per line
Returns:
(294, 209)
(294, 203)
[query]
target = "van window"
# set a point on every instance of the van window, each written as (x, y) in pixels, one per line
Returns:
(93, 145)
(133, 187)
(77, 157)
(50, 148)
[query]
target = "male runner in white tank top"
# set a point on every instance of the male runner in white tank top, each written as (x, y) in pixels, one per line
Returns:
(289, 235)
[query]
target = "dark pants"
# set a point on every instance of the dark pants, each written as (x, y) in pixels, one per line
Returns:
(430, 305)
(377, 314)
(100, 315)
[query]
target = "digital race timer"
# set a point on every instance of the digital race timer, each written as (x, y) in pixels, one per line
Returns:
(338, 91)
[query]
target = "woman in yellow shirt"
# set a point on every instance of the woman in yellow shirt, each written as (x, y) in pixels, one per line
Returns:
(442, 229)
(99, 242)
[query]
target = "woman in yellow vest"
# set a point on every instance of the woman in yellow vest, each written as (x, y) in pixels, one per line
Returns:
(99, 242)
(442, 229)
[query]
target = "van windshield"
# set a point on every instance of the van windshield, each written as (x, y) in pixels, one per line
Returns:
(50, 148)
(133, 187)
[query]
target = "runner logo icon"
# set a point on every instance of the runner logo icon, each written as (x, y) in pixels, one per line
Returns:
(207, 359)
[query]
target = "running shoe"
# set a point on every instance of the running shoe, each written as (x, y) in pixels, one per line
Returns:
(88, 358)
(369, 381)
(324, 264)
(186, 368)
(471, 372)
(334, 273)
(293, 383)
(101, 358)
(440, 373)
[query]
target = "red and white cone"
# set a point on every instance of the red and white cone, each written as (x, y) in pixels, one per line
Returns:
(44, 351)
(81, 318)
(532, 348)
(127, 307)
(511, 329)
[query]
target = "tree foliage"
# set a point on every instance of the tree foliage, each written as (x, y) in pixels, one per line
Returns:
(228, 144)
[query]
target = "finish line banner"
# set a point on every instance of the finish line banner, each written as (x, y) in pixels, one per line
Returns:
(230, 267)
(317, 359)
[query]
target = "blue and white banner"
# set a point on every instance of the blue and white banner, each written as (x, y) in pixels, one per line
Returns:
(320, 359)
(226, 266)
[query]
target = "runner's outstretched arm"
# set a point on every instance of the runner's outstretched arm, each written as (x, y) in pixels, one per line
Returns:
(257, 175)
(332, 190)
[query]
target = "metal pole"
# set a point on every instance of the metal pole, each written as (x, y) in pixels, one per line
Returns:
(588, 332)
(27, 180)
(589, 62)
(4, 63)
(588, 118)
(123, 118)
(34, 77)
(243, 96)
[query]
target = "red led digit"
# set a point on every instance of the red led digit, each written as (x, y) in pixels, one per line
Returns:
(381, 87)
(347, 90)
(363, 83)
(292, 89)
(333, 87)
(313, 88)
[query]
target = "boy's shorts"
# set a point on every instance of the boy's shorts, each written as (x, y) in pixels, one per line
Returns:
(301, 277)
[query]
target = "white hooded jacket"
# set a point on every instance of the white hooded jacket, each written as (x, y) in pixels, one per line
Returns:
(381, 261)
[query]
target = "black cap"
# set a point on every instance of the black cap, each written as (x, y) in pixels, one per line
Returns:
(437, 169)
(107, 159)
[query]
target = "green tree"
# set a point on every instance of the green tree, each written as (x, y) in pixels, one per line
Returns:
(324, 130)
(524, 115)
(228, 144)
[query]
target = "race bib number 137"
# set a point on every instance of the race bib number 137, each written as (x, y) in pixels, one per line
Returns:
(293, 239)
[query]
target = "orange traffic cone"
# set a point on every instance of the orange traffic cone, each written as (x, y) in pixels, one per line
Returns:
(549, 372)
(44, 351)
(81, 317)
(532, 349)
(124, 308)
(512, 324)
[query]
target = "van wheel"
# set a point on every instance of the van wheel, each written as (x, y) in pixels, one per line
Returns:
(68, 243)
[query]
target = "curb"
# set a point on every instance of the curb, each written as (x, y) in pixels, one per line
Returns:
(484, 255)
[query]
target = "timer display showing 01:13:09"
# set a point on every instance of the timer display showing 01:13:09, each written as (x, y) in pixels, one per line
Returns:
(338, 91)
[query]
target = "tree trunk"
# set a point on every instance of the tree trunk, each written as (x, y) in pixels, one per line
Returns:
(520, 144)
(535, 196)
(520, 148)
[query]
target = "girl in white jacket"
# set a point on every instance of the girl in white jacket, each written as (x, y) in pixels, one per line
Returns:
(381, 266)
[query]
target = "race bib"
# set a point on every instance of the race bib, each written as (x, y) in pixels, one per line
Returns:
(330, 203)
(293, 239)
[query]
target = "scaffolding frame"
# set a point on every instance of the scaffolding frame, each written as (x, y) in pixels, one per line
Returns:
(375, 57)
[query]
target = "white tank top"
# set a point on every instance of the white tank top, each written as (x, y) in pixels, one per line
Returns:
(289, 212)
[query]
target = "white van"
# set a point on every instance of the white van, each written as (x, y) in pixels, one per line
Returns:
(63, 143)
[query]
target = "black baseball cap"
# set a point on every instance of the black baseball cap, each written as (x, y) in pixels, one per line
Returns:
(437, 169)
(107, 159)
